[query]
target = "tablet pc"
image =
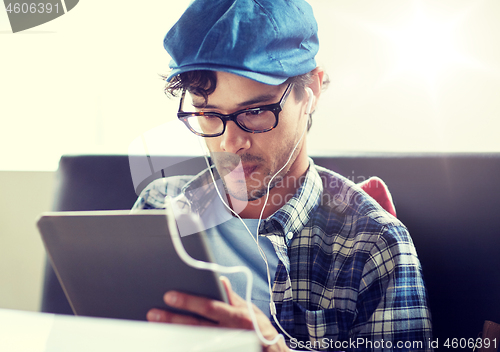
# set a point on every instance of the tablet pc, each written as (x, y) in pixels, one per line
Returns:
(117, 264)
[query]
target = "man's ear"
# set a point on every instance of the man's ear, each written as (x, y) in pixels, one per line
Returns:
(311, 98)
(316, 85)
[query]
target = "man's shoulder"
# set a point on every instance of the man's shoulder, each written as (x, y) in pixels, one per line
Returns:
(349, 216)
(153, 196)
(346, 201)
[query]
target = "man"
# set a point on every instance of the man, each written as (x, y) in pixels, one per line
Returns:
(344, 273)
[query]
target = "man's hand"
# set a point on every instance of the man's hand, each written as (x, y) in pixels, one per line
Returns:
(232, 315)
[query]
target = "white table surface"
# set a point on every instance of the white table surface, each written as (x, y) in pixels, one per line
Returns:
(41, 332)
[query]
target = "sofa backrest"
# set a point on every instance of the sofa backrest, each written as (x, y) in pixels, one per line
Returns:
(451, 206)
(449, 202)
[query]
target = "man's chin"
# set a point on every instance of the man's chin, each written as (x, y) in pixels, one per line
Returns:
(239, 191)
(245, 195)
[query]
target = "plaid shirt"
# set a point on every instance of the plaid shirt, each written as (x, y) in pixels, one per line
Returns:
(348, 276)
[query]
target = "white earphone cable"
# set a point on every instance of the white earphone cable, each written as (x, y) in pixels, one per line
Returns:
(222, 269)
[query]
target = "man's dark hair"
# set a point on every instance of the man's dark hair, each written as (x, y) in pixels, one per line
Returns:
(203, 83)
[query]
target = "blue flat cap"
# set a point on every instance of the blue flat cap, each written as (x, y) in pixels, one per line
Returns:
(264, 40)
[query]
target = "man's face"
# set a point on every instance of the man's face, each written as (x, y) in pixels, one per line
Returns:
(261, 154)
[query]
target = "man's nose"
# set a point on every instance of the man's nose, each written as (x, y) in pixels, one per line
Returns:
(234, 139)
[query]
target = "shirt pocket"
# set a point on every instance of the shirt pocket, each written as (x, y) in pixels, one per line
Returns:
(322, 324)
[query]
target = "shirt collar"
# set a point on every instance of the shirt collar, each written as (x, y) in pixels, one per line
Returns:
(289, 219)
(200, 191)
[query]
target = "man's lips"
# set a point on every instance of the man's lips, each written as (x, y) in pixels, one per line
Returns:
(240, 171)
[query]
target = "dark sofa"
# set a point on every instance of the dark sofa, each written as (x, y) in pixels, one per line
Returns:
(449, 202)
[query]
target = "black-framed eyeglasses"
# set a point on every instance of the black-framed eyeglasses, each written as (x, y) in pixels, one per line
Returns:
(254, 120)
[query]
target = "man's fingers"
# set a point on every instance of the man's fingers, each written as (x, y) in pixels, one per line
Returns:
(196, 304)
(214, 310)
(231, 295)
(227, 287)
(157, 315)
(161, 316)
(234, 298)
(208, 308)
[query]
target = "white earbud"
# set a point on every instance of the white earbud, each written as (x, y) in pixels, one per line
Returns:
(311, 99)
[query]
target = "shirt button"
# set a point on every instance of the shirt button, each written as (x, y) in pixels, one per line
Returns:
(289, 235)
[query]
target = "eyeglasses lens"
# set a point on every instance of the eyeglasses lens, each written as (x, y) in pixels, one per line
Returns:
(252, 120)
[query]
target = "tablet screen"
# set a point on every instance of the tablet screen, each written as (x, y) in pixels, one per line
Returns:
(115, 264)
